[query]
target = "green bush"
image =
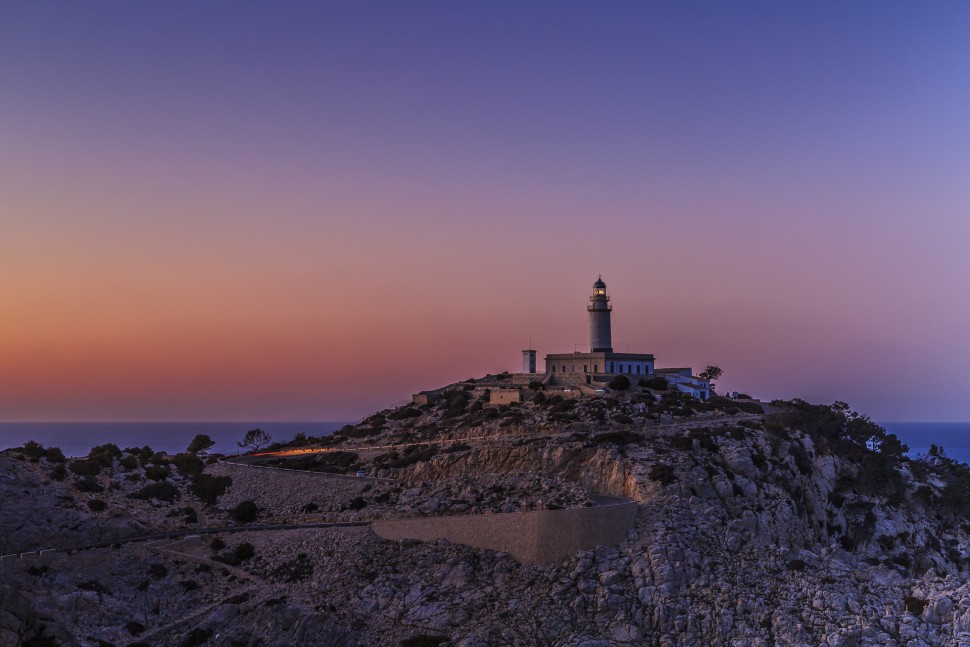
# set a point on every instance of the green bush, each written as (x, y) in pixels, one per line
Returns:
(357, 503)
(84, 467)
(245, 512)
(104, 454)
(188, 465)
(158, 472)
(656, 383)
(244, 551)
(55, 455)
(157, 571)
(97, 505)
(620, 383)
(135, 628)
(424, 640)
(209, 488)
(161, 491)
(59, 473)
(129, 462)
(403, 413)
(88, 484)
(34, 449)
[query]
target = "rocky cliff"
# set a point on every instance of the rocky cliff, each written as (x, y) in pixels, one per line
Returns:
(807, 525)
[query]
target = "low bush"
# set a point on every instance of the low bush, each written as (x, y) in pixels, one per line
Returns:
(161, 491)
(620, 383)
(245, 512)
(158, 472)
(135, 628)
(97, 505)
(88, 484)
(244, 551)
(197, 637)
(188, 465)
(357, 503)
(424, 640)
(209, 488)
(84, 467)
(655, 383)
(796, 565)
(157, 571)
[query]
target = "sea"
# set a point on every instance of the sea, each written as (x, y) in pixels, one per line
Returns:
(76, 438)
(953, 437)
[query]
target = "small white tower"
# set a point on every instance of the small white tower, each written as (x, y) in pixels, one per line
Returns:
(528, 361)
(600, 336)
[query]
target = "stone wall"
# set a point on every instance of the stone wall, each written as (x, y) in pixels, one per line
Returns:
(541, 538)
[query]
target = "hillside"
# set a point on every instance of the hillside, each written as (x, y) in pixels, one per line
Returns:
(796, 524)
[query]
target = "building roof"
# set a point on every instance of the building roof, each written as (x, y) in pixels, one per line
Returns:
(603, 354)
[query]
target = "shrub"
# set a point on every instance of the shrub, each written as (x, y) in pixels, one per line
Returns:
(135, 628)
(197, 637)
(34, 449)
(655, 383)
(796, 565)
(59, 473)
(84, 467)
(357, 503)
(97, 505)
(129, 462)
(245, 512)
(104, 454)
(310, 507)
(161, 491)
(414, 455)
(88, 484)
(158, 472)
(188, 465)
(157, 571)
(217, 544)
(55, 455)
(244, 551)
(209, 488)
(423, 640)
(620, 383)
(404, 412)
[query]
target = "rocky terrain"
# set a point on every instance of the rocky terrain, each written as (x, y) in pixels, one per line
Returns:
(805, 525)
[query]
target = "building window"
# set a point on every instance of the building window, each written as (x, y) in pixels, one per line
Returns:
(574, 368)
(585, 368)
(638, 369)
(553, 368)
(610, 369)
(596, 368)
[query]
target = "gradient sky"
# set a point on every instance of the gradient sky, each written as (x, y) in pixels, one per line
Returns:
(305, 211)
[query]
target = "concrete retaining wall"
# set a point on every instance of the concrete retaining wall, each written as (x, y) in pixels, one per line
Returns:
(542, 538)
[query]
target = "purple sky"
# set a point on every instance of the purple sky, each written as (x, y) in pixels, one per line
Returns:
(232, 210)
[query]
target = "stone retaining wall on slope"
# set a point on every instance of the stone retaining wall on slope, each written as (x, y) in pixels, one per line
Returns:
(541, 538)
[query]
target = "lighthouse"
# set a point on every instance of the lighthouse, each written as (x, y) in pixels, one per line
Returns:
(600, 339)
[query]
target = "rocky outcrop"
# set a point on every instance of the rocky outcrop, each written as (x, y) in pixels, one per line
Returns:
(749, 533)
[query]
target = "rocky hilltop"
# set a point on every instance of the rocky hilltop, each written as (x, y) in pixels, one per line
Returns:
(781, 524)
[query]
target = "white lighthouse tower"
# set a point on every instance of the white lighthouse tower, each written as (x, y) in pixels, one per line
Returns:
(600, 337)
